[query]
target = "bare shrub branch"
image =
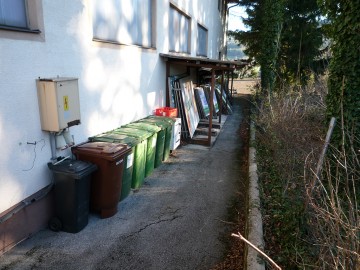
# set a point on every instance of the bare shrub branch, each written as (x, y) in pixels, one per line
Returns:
(335, 215)
(257, 249)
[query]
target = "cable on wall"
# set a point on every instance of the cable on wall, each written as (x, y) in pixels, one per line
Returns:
(34, 159)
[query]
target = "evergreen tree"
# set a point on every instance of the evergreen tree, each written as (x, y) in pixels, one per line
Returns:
(300, 41)
(284, 38)
(262, 41)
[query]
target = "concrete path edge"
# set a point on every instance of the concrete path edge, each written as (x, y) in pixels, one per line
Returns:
(253, 260)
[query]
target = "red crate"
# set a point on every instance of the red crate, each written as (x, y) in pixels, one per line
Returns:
(166, 111)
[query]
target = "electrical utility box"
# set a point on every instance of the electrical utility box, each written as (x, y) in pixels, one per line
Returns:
(59, 103)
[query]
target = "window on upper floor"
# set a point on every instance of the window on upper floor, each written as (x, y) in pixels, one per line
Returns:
(202, 40)
(13, 13)
(179, 31)
(127, 22)
(20, 15)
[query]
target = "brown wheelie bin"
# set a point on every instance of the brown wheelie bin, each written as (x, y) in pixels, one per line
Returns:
(106, 181)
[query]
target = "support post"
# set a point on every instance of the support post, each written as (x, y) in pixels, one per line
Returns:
(232, 83)
(167, 95)
(221, 94)
(211, 105)
(220, 101)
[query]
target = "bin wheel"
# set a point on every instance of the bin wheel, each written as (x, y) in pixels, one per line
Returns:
(55, 224)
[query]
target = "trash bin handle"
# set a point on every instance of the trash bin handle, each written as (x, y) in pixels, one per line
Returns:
(65, 158)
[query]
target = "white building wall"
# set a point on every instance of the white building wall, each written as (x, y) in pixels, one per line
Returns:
(117, 84)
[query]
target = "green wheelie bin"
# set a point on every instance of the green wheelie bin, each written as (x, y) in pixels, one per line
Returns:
(167, 129)
(135, 162)
(163, 121)
(150, 141)
(160, 140)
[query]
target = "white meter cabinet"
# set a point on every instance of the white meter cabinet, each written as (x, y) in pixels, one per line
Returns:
(59, 104)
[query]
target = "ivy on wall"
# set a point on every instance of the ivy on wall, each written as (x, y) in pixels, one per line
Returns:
(344, 70)
(271, 23)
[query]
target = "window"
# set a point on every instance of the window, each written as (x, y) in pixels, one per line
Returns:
(202, 36)
(179, 31)
(123, 21)
(13, 13)
(21, 16)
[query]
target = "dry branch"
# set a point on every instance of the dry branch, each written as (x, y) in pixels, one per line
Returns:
(326, 145)
(257, 249)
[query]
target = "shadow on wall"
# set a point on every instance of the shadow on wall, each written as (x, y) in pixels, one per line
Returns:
(121, 82)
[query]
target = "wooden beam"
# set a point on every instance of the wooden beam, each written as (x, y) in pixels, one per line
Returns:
(167, 94)
(200, 65)
(211, 104)
(221, 93)
(200, 59)
(205, 123)
(200, 141)
(232, 82)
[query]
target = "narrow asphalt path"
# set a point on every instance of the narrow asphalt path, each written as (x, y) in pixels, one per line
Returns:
(174, 221)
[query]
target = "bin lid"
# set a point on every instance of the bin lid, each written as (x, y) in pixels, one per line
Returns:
(144, 126)
(73, 168)
(133, 132)
(164, 118)
(160, 123)
(115, 138)
(106, 150)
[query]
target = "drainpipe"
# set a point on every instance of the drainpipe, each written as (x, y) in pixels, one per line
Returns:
(52, 146)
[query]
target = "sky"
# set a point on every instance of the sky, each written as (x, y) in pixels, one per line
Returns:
(235, 21)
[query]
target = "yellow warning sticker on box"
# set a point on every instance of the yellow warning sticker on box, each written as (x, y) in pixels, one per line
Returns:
(66, 103)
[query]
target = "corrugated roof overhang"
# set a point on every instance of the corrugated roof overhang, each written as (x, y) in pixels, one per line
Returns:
(202, 62)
